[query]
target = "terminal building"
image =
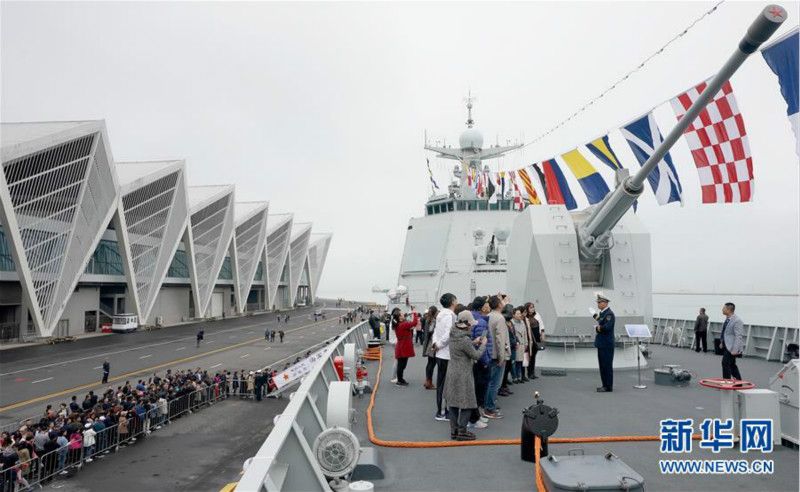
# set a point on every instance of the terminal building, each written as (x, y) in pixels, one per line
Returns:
(84, 238)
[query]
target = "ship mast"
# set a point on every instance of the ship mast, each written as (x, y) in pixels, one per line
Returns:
(469, 100)
(470, 152)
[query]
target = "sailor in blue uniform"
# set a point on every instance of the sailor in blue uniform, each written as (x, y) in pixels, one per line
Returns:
(604, 342)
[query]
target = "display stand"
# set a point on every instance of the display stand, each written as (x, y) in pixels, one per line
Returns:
(637, 332)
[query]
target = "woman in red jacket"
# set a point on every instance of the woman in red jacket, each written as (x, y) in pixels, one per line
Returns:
(405, 345)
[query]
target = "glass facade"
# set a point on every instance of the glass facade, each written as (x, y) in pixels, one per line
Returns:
(179, 267)
(259, 272)
(252, 297)
(6, 260)
(285, 273)
(226, 273)
(105, 260)
(304, 277)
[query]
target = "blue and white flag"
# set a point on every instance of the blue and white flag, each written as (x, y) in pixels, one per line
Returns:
(644, 136)
(782, 58)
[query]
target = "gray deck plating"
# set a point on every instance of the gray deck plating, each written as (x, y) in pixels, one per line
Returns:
(407, 414)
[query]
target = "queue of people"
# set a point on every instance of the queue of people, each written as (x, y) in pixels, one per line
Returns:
(64, 439)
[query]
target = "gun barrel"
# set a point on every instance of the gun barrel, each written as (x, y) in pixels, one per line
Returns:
(616, 204)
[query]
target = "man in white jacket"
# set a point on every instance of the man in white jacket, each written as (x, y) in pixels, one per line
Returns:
(88, 442)
(441, 345)
(162, 411)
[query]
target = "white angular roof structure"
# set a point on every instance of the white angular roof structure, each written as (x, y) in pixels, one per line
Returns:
(318, 246)
(279, 229)
(209, 234)
(249, 239)
(298, 256)
(58, 192)
(63, 198)
(154, 212)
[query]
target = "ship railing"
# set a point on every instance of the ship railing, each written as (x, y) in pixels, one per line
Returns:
(285, 461)
(761, 341)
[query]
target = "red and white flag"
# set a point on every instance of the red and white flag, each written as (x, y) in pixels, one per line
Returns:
(515, 194)
(719, 145)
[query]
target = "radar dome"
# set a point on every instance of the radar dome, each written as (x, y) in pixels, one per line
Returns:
(502, 233)
(471, 138)
(401, 290)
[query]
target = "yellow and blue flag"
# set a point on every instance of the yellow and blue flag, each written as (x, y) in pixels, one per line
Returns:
(590, 180)
(601, 149)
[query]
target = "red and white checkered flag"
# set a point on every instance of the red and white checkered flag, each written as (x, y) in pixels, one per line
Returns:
(516, 193)
(719, 145)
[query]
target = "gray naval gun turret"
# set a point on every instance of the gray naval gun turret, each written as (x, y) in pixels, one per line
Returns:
(562, 259)
(548, 264)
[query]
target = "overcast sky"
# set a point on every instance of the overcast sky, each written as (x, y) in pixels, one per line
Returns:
(321, 109)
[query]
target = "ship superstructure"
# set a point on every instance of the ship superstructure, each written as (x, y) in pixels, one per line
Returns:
(460, 244)
(469, 244)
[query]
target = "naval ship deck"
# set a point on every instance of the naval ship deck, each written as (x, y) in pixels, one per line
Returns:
(406, 414)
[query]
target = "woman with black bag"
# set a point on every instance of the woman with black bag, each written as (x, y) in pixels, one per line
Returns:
(428, 324)
(537, 332)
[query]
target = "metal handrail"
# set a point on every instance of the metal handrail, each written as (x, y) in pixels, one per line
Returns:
(284, 462)
(764, 341)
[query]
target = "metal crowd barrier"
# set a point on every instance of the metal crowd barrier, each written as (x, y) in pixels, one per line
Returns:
(284, 462)
(45, 466)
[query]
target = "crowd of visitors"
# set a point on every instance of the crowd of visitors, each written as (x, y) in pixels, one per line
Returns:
(356, 315)
(478, 351)
(66, 437)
